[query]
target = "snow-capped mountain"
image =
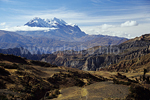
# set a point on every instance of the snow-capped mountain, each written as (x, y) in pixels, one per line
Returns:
(38, 22)
(58, 29)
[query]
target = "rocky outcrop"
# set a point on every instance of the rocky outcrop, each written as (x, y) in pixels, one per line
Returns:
(92, 63)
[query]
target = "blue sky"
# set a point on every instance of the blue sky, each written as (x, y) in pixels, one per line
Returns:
(125, 18)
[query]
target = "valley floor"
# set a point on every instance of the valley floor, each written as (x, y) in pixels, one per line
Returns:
(96, 91)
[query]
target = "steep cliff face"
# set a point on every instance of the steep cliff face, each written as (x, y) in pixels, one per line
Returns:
(92, 63)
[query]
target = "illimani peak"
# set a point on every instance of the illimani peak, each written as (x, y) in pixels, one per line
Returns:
(39, 22)
(55, 28)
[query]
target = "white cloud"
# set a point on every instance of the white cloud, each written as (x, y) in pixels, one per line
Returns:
(96, 31)
(134, 31)
(129, 23)
(117, 30)
(106, 26)
(27, 28)
(2, 24)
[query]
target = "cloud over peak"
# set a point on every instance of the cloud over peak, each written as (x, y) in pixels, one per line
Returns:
(129, 23)
(27, 28)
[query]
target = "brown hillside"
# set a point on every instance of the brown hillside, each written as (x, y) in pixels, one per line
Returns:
(33, 80)
(136, 65)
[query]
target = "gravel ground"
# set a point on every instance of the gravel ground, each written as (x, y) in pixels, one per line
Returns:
(106, 90)
(96, 91)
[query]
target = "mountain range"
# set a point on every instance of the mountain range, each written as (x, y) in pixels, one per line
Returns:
(59, 35)
(122, 57)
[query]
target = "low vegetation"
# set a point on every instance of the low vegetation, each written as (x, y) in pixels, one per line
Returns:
(2, 97)
(23, 80)
(138, 93)
(4, 72)
(42, 64)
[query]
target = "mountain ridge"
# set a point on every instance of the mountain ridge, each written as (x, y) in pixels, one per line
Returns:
(103, 56)
(13, 40)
